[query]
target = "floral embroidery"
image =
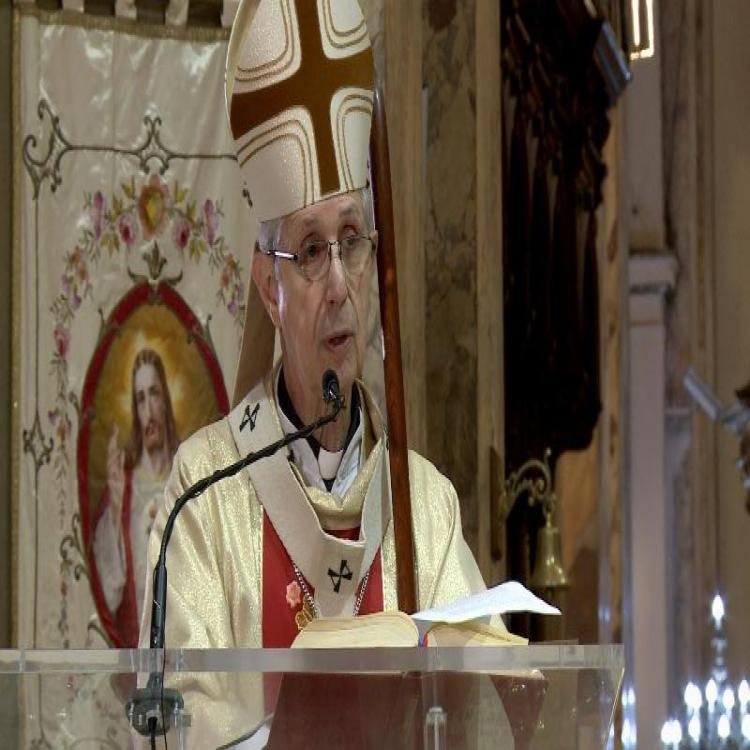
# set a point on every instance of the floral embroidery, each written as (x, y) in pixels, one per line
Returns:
(127, 227)
(181, 232)
(293, 595)
(210, 221)
(154, 207)
(96, 213)
(134, 213)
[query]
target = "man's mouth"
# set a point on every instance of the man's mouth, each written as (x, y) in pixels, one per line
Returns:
(339, 341)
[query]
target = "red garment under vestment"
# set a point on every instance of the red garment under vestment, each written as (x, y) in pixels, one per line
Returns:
(279, 625)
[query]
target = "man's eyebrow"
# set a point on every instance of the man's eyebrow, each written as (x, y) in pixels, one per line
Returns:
(302, 227)
(311, 222)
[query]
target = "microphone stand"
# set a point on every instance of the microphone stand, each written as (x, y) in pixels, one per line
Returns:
(146, 709)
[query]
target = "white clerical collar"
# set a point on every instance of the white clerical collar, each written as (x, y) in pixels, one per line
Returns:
(329, 463)
(342, 466)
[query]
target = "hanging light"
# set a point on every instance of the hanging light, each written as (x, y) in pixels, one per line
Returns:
(743, 693)
(712, 693)
(724, 728)
(694, 728)
(717, 610)
(693, 697)
(746, 727)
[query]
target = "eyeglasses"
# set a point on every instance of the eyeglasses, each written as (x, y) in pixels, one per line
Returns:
(314, 258)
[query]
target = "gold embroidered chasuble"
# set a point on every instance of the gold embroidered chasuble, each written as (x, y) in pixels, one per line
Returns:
(215, 556)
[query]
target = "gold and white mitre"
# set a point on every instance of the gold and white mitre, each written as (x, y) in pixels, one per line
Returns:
(299, 93)
(299, 96)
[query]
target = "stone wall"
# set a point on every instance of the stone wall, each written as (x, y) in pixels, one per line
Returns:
(450, 249)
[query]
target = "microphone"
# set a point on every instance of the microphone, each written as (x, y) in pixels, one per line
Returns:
(143, 709)
(331, 390)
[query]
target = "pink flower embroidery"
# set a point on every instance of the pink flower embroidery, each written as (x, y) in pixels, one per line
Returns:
(82, 272)
(98, 207)
(226, 277)
(210, 221)
(154, 205)
(127, 226)
(62, 340)
(181, 232)
(293, 595)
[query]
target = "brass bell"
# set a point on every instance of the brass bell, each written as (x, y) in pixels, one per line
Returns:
(548, 571)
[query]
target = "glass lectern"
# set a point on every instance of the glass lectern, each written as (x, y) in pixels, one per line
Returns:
(541, 696)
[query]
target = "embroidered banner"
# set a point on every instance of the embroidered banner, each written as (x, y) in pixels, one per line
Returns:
(133, 249)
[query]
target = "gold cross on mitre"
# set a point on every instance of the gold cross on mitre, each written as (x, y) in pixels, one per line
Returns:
(299, 96)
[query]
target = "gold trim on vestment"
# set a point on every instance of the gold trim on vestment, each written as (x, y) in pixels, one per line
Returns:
(124, 25)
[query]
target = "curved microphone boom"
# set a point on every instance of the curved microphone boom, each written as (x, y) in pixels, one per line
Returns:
(144, 708)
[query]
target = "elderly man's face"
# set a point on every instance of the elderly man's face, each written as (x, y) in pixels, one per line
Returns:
(322, 323)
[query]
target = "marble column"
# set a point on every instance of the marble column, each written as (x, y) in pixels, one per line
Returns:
(449, 61)
(647, 534)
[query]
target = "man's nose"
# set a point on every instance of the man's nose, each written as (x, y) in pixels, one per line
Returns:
(336, 290)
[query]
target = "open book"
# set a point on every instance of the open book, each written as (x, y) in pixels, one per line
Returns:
(466, 622)
(388, 710)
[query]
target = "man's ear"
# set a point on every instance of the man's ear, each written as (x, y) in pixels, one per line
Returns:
(264, 279)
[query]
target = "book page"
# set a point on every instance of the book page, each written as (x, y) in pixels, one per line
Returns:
(507, 597)
(388, 629)
(473, 633)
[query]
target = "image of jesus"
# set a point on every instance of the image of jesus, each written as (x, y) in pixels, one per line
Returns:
(136, 475)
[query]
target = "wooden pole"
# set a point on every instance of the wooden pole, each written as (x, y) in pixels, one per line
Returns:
(393, 373)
